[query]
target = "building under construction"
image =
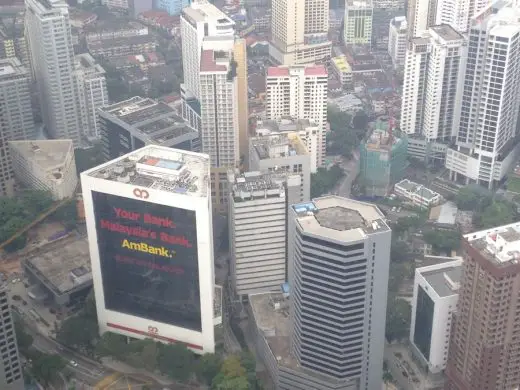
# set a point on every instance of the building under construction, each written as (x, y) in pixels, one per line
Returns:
(382, 160)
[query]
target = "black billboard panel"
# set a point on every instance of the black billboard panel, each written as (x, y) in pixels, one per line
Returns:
(149, 260)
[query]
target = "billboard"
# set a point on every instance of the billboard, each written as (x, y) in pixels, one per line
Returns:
(149, 260)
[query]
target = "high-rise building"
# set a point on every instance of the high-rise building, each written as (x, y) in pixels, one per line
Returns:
(299, 32)
(92, 92)
(339, 256)
(149, 225)
(486, 132)
(136, 122)
(398, 40)
(10, 368)
(435, 296)
(52, 54)
(299, 92)
(357, 28)
(484, 345)
(258, 206)
(16, 117)
(422, 14)
(173, 7)
(285, 151)
(240, 58)
(433, 71)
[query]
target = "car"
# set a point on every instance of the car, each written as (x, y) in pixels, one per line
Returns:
(73, 363)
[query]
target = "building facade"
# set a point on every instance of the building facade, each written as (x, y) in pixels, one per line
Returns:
(398, 41)
(417, 193)
(149, 223)
(358, 22)
(435, 295)
(299, 92)
(484, 343)
(173, 7)
(16, 117)
(52, 58)
(11, 372)
(299, 32)
(338, 272)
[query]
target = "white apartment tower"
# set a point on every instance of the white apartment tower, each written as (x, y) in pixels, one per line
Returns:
(299, 32)
(11, 371)
(338, 263)
(358, 22)
(398, 40)
(16, 118)
(433, 71)
(258, 205)
(299, 92)
(52, 57)
(485, 147)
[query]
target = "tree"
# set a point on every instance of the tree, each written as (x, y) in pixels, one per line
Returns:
(442, 240)
(35, 202)
(46, 368)
(78, 332)
(399, 251)
(90, 306)
(9, 229)
(23, 339)
(208, 366)
(225, 383)
(398, 314)
(324, 180)
(143, 354)
(499, 212)
(113, 345)
(176, 361)
(67, 214)
(232, 375)
(473, 198)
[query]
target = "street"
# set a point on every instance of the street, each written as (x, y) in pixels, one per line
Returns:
(351, 168)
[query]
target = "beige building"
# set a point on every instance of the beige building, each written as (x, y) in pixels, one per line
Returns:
(299, 32)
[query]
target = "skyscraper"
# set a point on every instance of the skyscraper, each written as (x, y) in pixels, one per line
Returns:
(339, 255)
(484, 343)
(299, 92)
(358, 22)
(10, 368)
(299, 32)
(52, 54)
(398, 40)
(173, 7)
(16, 117)
(485, 146)
(433, 71)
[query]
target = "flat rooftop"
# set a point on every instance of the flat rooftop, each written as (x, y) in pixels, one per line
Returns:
(203, 10)
(499, 245)
(447, 32)
(160, 168)
(286, 124)
(11, 68)
(358, 3)
(416, 188)
(278, 146)
(121, 41)
(339, 218)
(444, 281)
(256, 184)
(381, 140)
(63, 265)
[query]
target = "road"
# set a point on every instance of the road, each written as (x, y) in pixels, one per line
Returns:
(396, 371)
(351, 168)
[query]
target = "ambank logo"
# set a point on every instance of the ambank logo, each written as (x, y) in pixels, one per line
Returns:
(142, 194)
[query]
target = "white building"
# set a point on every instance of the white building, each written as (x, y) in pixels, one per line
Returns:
(284, 151)
(11, 371)
(52, 58)
(485, 145)
(417, 194)
(435, 296)
(389, 4)
(92, 92)
(299, 92)
(149, 225)
(258, 205)
(46, 165)
(358, 22)
(299, 32)
(16, 117)
(343, 70)
(431, 97)
(398, 40)
(338, 261)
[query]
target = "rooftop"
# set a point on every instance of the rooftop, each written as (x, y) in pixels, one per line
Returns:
(381, 140)
(418, 189)
(209, 62)
(286, 124)
(160, 168)
(339, 218)
(342, 64)
(63, 265)
(358, 4)
(308, 70)
(203, 10)
(252, 185)
(278, 145)
(446, 32)
(51, 156)
(11, 68)
(500, 245)
(445, 281)
(88, 64)
(445, 214)
(121, 41)
(400, 22)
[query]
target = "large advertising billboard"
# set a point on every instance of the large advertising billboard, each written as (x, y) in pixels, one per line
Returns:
(149, 260)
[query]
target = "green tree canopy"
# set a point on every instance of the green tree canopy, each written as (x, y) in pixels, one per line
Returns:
(208, 366)
(176, 361)
(498, 213)
(78, 332)
(398, 314)
(473, 198)
(46, 368)
(113, 345)
(442, 240)
(324, 180)
(23, 339)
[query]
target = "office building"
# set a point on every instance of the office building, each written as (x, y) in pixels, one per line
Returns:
(92, 92)
(357, 23)
(16, 117)
(431, 97)
(339, 255)
(258, 204)
(136, 122)
(149, 225)
(299, 32)
(398, 41)
(299, 92)
(282, 151)
(484, 345)
(46, 165)
(50, 42)
(486, 144)
(11, 377)
(435, 295)
(173, 7)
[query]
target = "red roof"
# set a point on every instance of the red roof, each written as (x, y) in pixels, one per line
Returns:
(277, 71)
(208, 64)
(316, 70)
